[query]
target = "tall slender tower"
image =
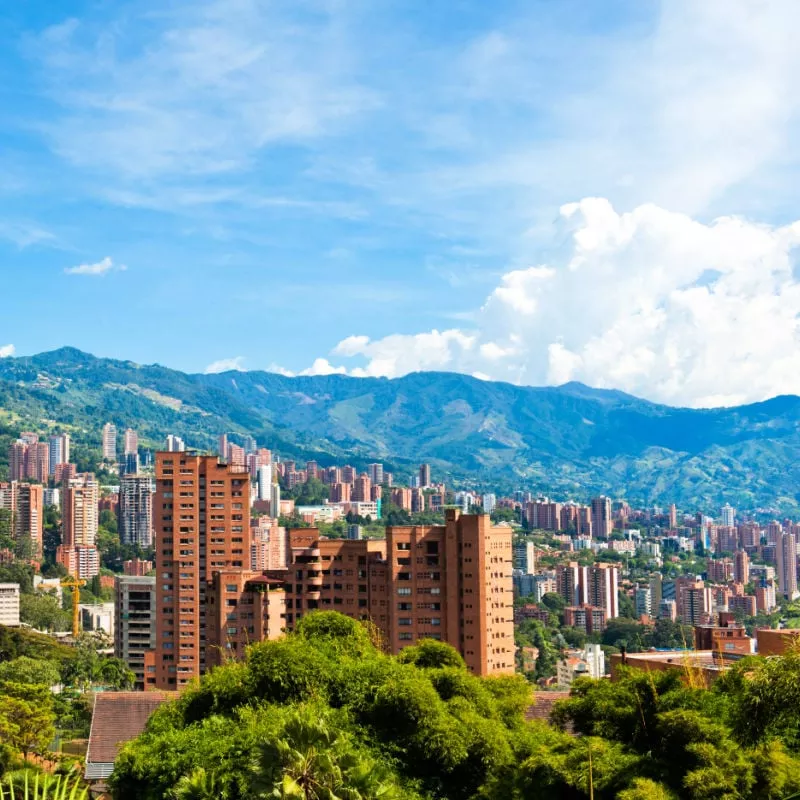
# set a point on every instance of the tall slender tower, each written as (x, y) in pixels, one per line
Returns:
(786, 557)
(202, 526)
(110, 441)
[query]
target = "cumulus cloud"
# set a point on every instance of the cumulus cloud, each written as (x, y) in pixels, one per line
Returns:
(7, 350)
(235, 364)
(322, 366)
(649, 301)
(98, 270)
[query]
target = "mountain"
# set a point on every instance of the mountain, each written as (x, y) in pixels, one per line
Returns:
(567, 441)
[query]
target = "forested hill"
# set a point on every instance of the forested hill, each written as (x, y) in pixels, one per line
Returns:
(568, 441)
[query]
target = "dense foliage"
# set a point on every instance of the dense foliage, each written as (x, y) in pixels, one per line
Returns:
(323, 713)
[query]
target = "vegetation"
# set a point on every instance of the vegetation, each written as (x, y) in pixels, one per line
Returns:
(553, 438)
(324, 713)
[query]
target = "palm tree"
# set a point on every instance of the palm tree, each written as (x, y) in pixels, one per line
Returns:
(27, 785)
(315, 762)
(200, 785)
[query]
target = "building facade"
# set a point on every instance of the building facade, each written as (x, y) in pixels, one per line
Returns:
(135, 621)
(136, 510)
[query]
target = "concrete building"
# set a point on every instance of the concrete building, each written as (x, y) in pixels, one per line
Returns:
(643, 601)
(589, 619)
(489, 502)
(786, 561)
(202, 526)
(137, 566)
(79, 561)
(424, 476)
(110, 441)
(136, 510)
(525, 557)
(97, 617)
(25, 502)
(9, 604)
(728, 516)
(135, 612)
(79, 511)
(58, 450)
(130, 442)
(375, 472)
(741, 567)
(587, 663)
(175, 444)
(602, 522)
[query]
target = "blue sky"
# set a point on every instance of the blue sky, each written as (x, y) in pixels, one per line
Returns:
(528, 191)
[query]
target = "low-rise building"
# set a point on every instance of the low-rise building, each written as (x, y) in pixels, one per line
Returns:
(587, 663)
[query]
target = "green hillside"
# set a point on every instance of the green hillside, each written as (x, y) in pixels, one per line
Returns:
(568, 441)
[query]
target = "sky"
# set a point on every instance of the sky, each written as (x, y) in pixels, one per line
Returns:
(530, 191)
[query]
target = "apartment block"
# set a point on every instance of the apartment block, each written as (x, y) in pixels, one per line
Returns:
(109, 441)
(202, 526)
(136, 510)
(9, 604)
(80, 561)
(602, 523)
(79, 511)
(135, 621)
(25, 501)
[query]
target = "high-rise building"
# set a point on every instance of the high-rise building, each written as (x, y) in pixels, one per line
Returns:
(741, 567)
(489, 502)
(401, 497)
(264, 481)
(417, 501)
(375, 472)
(175, 444)
(525, 557)
(249, 444)
(728, 515)
(602, 523)
(340, 493)
(362, 487)
(596, 586)
(643, 601)
(58, 451)
(25, 502)
(136, 510)
(110, 441)
(222, 446)
(786, 560)
(16, 460)
(275, 501)
(130, 465)
(135, 622)
(236, 455)
(202, 526)
(449, 582)
(130, 441)
(79, 561)
(673, 516)
(79, 511)
(424, 476)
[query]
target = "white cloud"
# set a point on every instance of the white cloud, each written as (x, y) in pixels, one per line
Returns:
(235, 364)
(98, 269)
(7, 350)
(650, 301)
(322, 366)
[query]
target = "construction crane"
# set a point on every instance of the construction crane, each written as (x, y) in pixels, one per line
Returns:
(74, 584)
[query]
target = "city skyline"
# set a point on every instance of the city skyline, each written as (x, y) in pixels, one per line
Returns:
(629, 161)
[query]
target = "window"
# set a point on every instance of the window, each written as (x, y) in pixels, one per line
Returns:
(404, 592)
(403, 546)
(405, 621)
(405, 636)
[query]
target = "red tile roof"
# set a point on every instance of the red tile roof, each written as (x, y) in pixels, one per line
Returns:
(117, 718)
(543, 703)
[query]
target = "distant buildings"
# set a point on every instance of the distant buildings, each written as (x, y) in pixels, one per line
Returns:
(136, 510)
(424, 476)
(596, 586)
(728, 515)
(175, 444)
(79, 520)
(109, 442)
(9, 604)
(25, 501)
(786, 560)
(29, 459)
(589, 663)
(525, 557)
(602, 523)
(58, 446)
(130, 442)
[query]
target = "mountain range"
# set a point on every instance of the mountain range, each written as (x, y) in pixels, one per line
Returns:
(569, 441)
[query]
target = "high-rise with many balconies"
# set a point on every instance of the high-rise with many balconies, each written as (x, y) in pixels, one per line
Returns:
(202, 527)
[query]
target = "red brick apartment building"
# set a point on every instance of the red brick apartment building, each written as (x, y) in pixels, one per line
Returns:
(449, 582)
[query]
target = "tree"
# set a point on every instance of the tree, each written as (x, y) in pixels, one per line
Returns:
(43, 612)
(26, 717)
(30, 671)
(28, 785)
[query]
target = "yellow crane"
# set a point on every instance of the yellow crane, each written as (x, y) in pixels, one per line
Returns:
(74, 584)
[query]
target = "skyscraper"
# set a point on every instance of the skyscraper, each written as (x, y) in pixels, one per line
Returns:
(222, 446)
(202, 527)
(375, 472)
(175, 444)
(136, 510)
(728, 515)
(786, 557)
(131, 442)
(602, 524)
(59, 450)
(741, 567)
(424, 476)
(110, 441)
